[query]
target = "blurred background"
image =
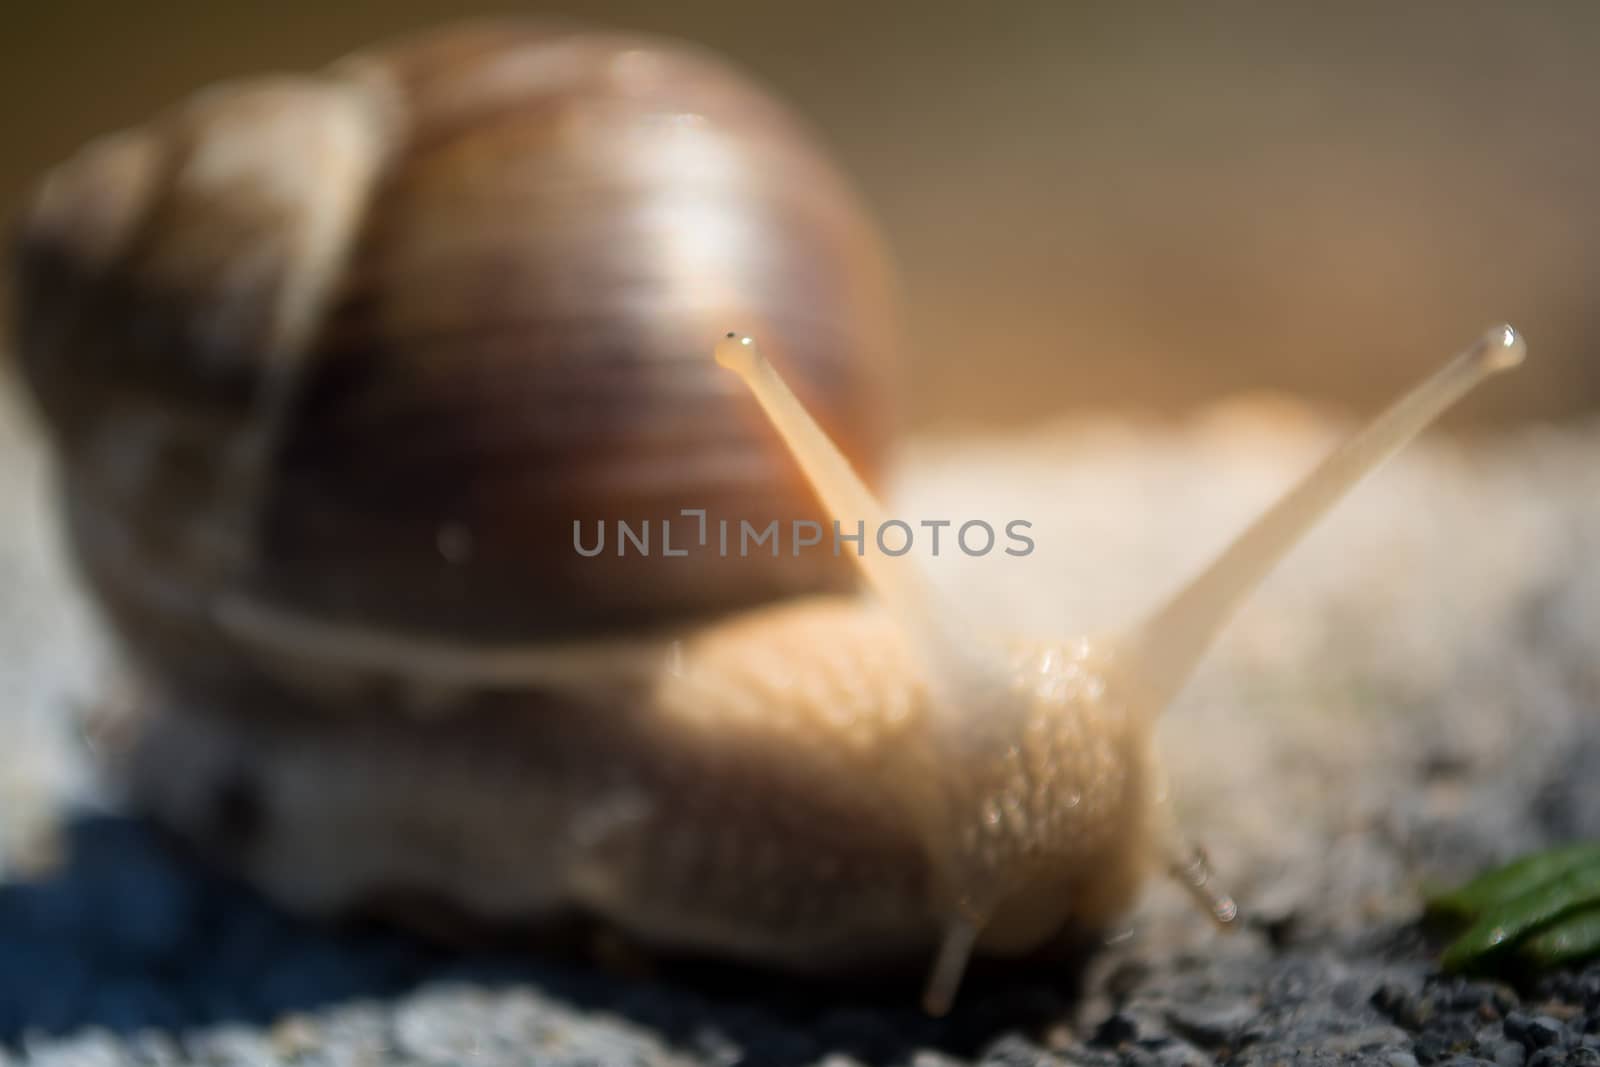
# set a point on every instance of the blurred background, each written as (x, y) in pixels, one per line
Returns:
(1135, 206)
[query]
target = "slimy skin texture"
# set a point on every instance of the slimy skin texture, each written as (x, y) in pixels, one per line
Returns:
(771, 790)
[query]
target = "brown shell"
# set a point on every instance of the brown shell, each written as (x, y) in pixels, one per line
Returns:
(514, 245)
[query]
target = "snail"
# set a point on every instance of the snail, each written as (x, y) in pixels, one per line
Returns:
(333, 364)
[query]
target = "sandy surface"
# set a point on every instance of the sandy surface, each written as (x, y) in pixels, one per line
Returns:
(1414, 693)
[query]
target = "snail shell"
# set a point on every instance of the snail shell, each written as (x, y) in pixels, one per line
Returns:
(369, 342)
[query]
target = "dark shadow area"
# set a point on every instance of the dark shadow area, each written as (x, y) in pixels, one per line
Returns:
(131, 933)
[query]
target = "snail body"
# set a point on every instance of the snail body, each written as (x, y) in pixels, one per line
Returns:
(321, 453)
(767, 789)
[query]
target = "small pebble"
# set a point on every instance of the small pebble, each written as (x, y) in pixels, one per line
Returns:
(1503, 1052)
(1547, 1031)
(95, 1048)
(1215, 1023)
(1432, 1048)
(1118, 1029)
(1014, 1051)
(1493, 1045)
(1533, 1031)
(1399, 1004)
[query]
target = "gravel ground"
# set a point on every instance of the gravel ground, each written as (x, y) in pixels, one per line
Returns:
(1413, 695)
